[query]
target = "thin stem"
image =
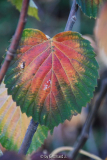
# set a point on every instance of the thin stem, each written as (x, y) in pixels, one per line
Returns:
(72, 16)
(28, 137)
(60, 149)
(15, 40)
(85, 132)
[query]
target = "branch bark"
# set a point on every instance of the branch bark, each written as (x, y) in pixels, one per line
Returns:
(15, 40)
(72, 16)
(85, 132)
(28, 137)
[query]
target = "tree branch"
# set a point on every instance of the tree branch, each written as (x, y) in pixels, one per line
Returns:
(85, 132)
(72, 16)
(15, 40)
(28, 137)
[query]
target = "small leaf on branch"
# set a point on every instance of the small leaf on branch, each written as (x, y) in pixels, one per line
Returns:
(52, 79)
(13, 125)
(32, 10)
(90, 7)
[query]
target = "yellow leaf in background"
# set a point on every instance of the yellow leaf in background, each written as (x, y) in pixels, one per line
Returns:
(13, 125)
(32, 10)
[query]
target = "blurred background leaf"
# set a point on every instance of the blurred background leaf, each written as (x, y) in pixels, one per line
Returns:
(32, 10)
(90, 7)
(13, 125)
(100, 32)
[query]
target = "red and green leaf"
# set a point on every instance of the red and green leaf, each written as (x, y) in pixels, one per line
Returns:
(90, 7)
(13, 125)
(52, 79)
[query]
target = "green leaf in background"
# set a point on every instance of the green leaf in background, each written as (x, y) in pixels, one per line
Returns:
(32, 10)
(52, 79)
(38, 139)
(13, 125)
(90, 7)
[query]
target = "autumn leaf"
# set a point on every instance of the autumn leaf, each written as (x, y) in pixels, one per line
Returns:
(52, 79)
(13, 125)
(90, 7)
(32, 10)
(101, 33)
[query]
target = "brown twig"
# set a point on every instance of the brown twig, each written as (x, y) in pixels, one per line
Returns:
(72, 16)
(15, 40)
(28, 137)
(85, 132)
